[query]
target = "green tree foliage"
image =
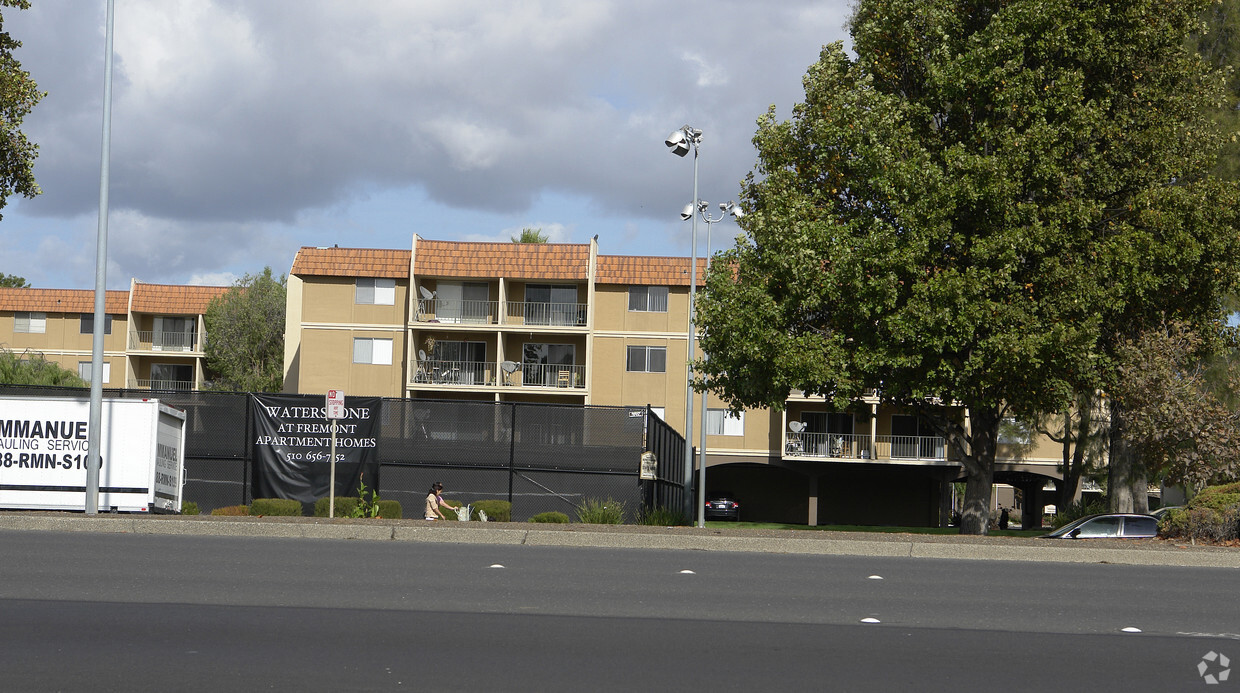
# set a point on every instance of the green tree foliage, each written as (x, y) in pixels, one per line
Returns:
(245, 335)
(30, 368)
(14, 281)
(968, 211)
(1182, 432)
(1218, 41)
(530, 236)
(18, 96)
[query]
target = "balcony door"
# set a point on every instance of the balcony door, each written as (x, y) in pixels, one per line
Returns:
(542, 364)
(912, 438)
(551, 304)
(828, 433)
(462, 302)
(173, 334)
(172, 376)
(460, 362)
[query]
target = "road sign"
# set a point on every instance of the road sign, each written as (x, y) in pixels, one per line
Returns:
(335, 404)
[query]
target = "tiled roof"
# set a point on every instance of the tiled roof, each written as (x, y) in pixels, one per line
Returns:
(652, 271)
(173, 299)
(351, 262)
(62, 300)
(510, 260)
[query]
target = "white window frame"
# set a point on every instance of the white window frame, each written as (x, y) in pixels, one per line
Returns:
(721, 422)
(375, 291)
(373, 351)
(646, 350)
(30, 322)
(648, 299)
(84, 371)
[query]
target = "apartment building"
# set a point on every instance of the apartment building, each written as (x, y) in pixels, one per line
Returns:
(154, 334)
(560, 323)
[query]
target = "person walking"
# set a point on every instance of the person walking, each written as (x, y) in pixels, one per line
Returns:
(433, 500)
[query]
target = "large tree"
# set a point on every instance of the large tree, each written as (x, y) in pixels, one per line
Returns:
(13, 281)
(964, 212)
(31, 368)
(245, 335)
(18, 96)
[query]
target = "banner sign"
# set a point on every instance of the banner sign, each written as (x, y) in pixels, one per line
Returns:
(292, 443)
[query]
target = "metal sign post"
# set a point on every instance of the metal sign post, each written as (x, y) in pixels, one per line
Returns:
(334, 410)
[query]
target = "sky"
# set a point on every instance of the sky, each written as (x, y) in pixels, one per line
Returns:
(242, 130)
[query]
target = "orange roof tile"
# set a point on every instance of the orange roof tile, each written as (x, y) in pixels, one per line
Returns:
(510, 260)
(652, 271)
(173, 299)
(62, 300)
(351, 262)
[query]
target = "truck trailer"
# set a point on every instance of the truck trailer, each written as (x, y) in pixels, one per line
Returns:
(44, 451)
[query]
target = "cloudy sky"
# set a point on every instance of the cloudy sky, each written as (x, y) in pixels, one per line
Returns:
(244, 129)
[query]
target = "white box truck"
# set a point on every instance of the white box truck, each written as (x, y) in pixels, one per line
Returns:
(43, 454)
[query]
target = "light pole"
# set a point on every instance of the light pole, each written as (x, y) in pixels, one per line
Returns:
(725, 209)
(680, 142)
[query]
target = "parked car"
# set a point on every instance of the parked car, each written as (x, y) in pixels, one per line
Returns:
(1108, 525)
(722, 505)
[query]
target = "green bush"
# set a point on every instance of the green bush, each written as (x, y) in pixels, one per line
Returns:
(277, 507)
(552, 517)
(1213, 515)
(189, 508)
(232, 510)
(599, 512)
(345, 505)
(496, 510)
(1219, 498)
(661, 517)
(448, 508)
(390, 509)
(1078, 509)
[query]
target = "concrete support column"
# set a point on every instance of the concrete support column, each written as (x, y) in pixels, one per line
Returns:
(945, 499)
(813, 499)
(1031, 509)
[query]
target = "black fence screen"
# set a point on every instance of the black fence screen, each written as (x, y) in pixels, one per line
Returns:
(540, 457)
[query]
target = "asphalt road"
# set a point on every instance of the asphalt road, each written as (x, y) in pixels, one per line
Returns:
(87, 611)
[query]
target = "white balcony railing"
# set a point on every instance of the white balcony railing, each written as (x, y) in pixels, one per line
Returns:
(451, 373)
(469, 312)
(858, 447)
(174, 385)
(554, 314)
(455, 373)
(149, 340)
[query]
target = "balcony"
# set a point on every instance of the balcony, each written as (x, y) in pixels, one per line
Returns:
(165, 385)
(149, 340)
(456, 311)
(853, 446)
(450, 374)
(550, 314)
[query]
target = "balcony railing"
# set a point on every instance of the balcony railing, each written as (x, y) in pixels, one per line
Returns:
(451, 373)
(554, 314)
(175, 385)
(148, 340)
(853, 446)
(447, 310)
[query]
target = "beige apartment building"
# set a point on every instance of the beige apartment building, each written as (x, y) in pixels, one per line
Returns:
(560, 323)
(154, 334)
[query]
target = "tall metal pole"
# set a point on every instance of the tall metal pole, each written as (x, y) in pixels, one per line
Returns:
(701, 491)
(689, 363)
(94, 425)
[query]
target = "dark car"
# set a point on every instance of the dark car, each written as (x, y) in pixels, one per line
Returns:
(722, 505)
(1108, 526)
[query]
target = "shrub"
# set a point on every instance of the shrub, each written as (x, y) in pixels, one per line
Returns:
(232, 510)
(189, 508)
(279, 507)
(1218, 498)
(1078, 509)
(496, 510)
(551, 516)
(596, 512)
(390, 509)
(345, 505)
(662, 517)
(1213, 515)
(448, 508)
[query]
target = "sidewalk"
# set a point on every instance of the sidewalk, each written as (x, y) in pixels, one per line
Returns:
(812, 542)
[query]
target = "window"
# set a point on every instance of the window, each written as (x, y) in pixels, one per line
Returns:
(373, 351)
(552, 304)
(88, 324)
(84, 371)
(646, 359)
(545, 364)
(468, 302)
(721, 422)
(1013, 432)
(34, 323)
(378, 292)
(651, 299)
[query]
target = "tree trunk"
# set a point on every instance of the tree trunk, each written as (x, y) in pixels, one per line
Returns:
(1140, 486)
(1121, 464)
(979, 464)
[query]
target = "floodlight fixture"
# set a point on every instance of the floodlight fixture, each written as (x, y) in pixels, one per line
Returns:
(687, 213)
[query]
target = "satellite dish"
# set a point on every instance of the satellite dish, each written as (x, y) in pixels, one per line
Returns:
(426, 293)
(796, 426)
(421, 354)
(508, 366)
